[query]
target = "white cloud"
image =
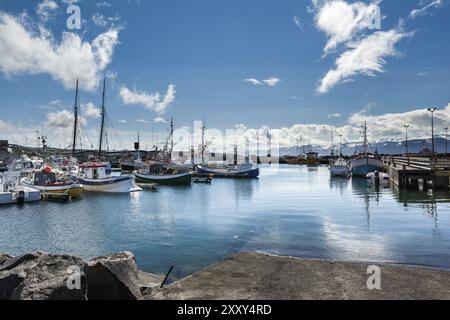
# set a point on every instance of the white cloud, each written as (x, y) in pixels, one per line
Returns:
(271, 82)
(25, 52)
(342, 21)
(60, 119)
(159, 120)
(253, 81)
(365, 57)
(123, 121)
(334, 115)
(90, 111)
(142, 121)
(99, 20)
(427, 7)
(46, 9)
(150, 101)
(298, 23)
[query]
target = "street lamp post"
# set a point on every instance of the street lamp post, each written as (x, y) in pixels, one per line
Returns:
(432, 110)
(406, 141)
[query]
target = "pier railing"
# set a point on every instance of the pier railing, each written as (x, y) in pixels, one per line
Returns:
(418, 163)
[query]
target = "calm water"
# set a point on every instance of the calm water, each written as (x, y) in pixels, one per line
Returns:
(295, 211)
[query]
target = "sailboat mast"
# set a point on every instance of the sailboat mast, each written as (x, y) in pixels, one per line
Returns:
(171, 135)
(102, 127)
(203, 140)
(75, 126)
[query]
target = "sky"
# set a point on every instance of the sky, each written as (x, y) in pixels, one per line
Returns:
(301, 68)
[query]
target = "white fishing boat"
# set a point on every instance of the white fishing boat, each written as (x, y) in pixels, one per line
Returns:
(340, 168)
(96, 177)
(378, 179)
(24, 166)
(12, 193)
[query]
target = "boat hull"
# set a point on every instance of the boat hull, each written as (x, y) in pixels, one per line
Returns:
(73, 190)
(223, 173)
(339, 172)
(30, 195)
(122, 184)
(176, 179)
(362, 167)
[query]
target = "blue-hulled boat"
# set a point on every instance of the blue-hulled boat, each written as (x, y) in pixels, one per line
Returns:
(365, 163)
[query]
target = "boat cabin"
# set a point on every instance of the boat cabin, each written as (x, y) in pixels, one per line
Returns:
(95, 171)
(44, 178)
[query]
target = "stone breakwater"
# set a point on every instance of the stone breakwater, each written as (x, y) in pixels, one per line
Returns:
(243, 276)
(41, 276)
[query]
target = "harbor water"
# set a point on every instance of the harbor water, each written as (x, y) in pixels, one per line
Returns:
(291, 210)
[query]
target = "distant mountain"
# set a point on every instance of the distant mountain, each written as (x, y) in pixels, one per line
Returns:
(382, 147)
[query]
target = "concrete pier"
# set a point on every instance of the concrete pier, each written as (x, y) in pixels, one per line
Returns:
(251, 276)
(408, 172)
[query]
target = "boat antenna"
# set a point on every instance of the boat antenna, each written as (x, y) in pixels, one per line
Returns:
(75, 125)
(102, 127)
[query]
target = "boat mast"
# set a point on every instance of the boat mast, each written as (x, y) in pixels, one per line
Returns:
(75, 126)
(102, 127)
(203, 140)
(171, 135)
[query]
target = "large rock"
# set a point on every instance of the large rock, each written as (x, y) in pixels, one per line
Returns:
(41, 276)
(113, 277)
(4, 257)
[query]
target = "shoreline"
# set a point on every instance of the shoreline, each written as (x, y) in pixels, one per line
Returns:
(242, 276)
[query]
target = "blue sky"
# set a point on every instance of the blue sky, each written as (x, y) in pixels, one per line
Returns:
(198, 55)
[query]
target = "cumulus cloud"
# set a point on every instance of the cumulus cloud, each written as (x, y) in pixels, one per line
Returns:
(153, 101)
(365, 57)
(426, 8)
(90, 111)
(24, 51)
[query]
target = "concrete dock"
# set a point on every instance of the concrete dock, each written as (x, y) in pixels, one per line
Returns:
(251, 276)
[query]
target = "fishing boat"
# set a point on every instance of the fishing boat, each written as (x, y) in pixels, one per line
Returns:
(23, 166)
(230, 171)
(134, 164)
(161, 174)
(339, 168)
(365, 163)
(96, 177)
(46, 181)
(12, 193)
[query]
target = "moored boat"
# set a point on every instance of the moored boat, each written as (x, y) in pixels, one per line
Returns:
(11, 193)
(377, 178)
(96, 177)
(365, 163)
(161, 174)
(233, 171)
(339, 168)
(46, 181)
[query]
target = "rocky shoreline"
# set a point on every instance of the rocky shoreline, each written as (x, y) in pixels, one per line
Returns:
(42, 276)
(243, 276)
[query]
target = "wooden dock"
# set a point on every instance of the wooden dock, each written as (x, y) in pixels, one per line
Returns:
(408, 172)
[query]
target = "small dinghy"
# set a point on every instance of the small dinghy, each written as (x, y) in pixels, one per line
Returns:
(378, 179)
